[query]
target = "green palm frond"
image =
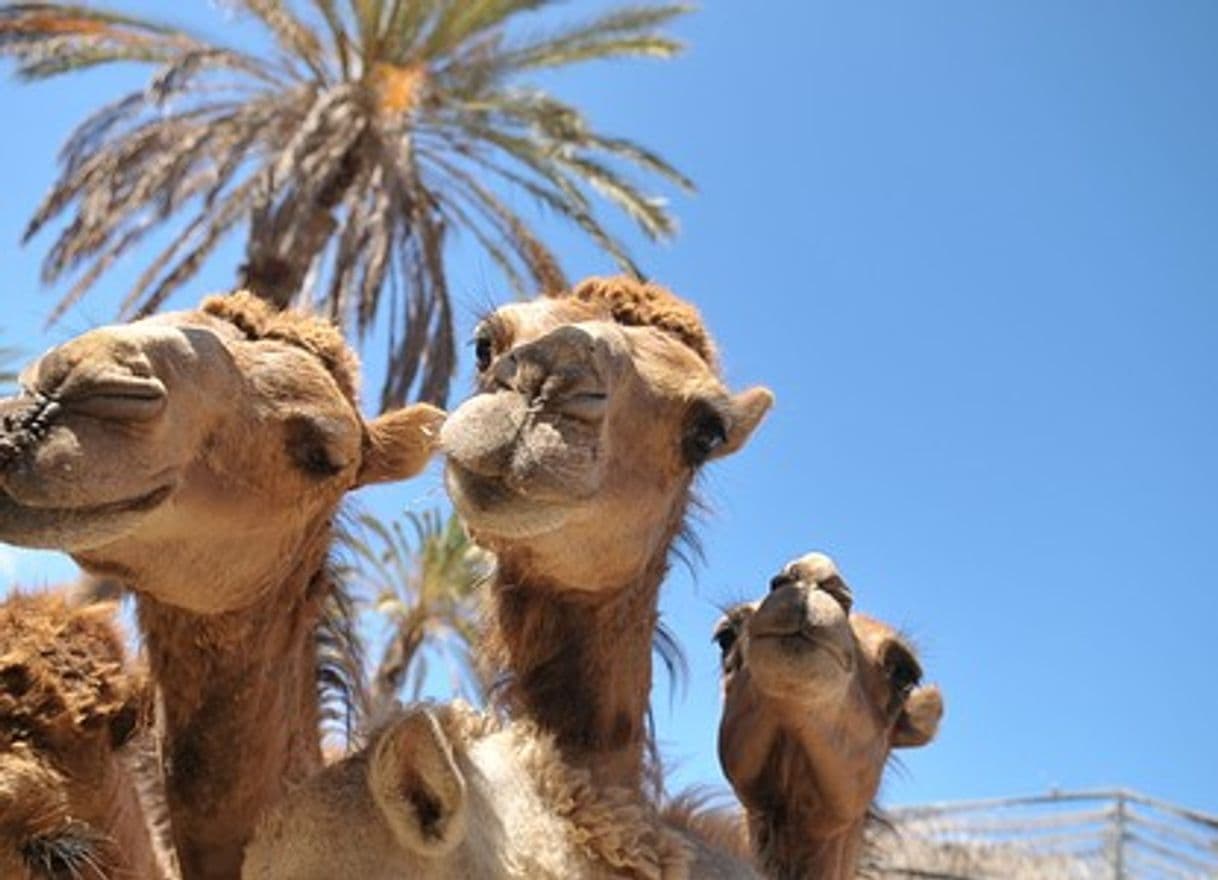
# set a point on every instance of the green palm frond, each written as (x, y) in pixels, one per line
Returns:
(367, 137)
(421, 575)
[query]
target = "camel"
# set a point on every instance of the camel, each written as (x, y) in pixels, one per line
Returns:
(70, 710)
(573, 462)
(199, 457)
(815, 699)
(446, 792)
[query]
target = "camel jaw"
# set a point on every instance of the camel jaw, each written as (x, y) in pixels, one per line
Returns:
(75, 528)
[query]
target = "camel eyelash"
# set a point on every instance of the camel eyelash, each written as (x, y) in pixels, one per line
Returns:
(63, 855)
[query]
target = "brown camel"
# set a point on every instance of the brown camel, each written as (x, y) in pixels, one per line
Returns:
(815, 699)
(69, 710)
(199, 457)
(445, 792)
(574, 464)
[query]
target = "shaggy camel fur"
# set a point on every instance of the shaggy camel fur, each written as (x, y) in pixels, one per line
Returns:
(446, 792)
(69, 799)
(815, 699)
(573, 463)
(199, 457)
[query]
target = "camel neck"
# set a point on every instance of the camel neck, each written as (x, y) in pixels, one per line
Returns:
(795, 834)
(580, 666)
(241, 710)
(790, 847)
(107, 797)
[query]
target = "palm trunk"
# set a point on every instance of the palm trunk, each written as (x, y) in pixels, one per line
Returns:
(396, 661)
(286, 239)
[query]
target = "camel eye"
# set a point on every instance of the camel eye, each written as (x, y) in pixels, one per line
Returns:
(725, 637)
(309, 448)
(62, 856)
(484, 350)
(705, 434)
(904, 673)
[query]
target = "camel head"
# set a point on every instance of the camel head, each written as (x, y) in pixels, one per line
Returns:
(190, 454)
(397, 809)
(816, 696)
(67, 708)
(444, 792)
(594, 410)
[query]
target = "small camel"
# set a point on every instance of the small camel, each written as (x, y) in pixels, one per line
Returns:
(445, 792)
(69, 709)
(815, 699)
(199, 457)
(574, 463)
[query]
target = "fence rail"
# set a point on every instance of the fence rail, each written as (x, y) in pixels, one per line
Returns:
(1076, 835)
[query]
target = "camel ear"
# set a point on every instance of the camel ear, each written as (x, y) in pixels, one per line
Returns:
(919, 720)
(744, 413)
(417, 785)
(400, 443)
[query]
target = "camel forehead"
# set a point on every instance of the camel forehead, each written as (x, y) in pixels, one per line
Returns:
(237, 324)
(666, 359)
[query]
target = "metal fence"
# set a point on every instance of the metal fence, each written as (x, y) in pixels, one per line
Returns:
(1088, 835)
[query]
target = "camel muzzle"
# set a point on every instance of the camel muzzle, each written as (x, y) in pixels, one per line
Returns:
(24, 421)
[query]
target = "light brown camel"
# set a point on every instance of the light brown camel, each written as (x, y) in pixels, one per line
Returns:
(69, 707)
(574, 463)
(815, 699)
(200, 457)
(445, 792)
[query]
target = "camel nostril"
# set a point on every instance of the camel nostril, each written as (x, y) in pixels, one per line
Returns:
(781, 580)
(839, 590)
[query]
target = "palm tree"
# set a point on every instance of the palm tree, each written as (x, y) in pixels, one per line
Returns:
(367, 135)
(424, 573)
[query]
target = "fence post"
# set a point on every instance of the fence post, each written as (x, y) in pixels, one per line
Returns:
(1120, 820)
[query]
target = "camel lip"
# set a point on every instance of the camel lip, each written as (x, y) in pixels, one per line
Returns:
(135, 504)
(776, 631)
(483, 490)
(801, 638)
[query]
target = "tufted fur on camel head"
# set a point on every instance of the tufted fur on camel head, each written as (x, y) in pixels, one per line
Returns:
(69, 706)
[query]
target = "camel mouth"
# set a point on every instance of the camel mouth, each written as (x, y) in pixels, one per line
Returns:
(801, 640)
(55, 527)
(491, 506)
(482, 491)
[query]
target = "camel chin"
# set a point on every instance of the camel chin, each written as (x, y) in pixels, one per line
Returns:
(491, 509)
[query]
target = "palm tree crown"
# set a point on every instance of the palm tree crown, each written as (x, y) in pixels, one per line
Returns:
(372, 130)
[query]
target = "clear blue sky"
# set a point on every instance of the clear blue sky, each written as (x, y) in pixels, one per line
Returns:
(973, 247)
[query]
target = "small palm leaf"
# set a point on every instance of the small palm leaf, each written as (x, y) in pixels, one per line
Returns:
(423, 574)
